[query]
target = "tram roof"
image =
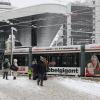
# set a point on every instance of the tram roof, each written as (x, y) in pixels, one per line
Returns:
(33, 10)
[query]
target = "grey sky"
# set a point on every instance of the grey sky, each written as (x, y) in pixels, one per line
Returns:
(25, 3)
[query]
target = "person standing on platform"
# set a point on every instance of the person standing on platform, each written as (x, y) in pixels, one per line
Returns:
(6, 67)
(15, 69)
(41, 71)
(34, 69)
(29, 73)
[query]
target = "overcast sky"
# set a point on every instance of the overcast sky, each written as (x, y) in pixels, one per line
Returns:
(25, 3)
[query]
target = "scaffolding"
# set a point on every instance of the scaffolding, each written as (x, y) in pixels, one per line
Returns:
(82, 24)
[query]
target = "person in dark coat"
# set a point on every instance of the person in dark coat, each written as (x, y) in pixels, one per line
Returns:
(34, 69)
(6, 67)
(41, 71)
(46, 68)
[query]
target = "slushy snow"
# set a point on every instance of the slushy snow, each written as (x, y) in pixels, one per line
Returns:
(55, 88)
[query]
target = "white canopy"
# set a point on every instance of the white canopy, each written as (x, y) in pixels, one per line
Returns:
(33, 10)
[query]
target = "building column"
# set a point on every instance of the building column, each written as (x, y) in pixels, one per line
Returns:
(97, 22)
(69, 24)
(93, 35)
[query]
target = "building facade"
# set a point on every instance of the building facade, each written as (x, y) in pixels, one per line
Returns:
(52, 24)
(97, 20)
(35, 27)
(5, 5)
(80, 24)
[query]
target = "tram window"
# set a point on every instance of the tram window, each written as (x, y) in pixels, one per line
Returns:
(61, 59)
(55, 60)
(51, 60)
(37, 57)
(70, 60)
(22, 60)
(58, 60)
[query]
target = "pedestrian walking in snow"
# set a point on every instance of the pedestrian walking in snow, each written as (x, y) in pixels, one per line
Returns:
(6, 66)
(34, 69)
(46, 68)
(14, 67)
(41, 71)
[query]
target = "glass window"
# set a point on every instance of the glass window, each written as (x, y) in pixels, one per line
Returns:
(22, 59)
(70, 60)
(62, 59)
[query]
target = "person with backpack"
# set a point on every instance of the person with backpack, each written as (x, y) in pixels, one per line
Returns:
(6, 67)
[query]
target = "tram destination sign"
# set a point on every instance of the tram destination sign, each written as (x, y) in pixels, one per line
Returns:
(64, 70)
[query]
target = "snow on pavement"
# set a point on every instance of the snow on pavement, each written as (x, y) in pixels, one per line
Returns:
(55, 88)
(81, 85)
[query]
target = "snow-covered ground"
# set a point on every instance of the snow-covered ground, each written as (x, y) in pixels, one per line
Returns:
(55, 88)
(80, 85)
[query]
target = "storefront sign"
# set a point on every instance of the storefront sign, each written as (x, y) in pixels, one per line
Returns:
(64, 70)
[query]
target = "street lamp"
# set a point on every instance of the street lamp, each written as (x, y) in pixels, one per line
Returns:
(12, 37)
(12, 42)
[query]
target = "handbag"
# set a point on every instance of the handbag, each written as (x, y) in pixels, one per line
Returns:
(14, 68)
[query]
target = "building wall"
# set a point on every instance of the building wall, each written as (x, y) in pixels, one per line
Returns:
(69, 24)
(5, 6)
(47, 26)
(24, 36)
(80, 25)
(97, 21)
(51, 26)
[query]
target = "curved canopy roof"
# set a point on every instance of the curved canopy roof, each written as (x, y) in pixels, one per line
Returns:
(33, 10)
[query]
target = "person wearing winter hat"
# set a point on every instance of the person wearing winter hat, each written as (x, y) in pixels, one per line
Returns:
(15, 65)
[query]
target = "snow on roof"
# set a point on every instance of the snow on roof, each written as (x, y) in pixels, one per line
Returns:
(33, 10)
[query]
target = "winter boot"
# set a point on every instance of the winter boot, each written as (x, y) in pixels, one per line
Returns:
(14, 78)
(38, 82)
(41, 84)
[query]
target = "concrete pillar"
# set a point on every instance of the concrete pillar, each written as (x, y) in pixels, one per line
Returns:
(69, 24)
(97, 23)
(93, 35)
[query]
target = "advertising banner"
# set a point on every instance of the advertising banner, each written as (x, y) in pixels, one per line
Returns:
(64, 71)
(92, 72)
(22, 70)
(93, 66)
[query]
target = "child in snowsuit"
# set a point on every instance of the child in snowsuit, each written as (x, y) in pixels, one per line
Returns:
(30, 73)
